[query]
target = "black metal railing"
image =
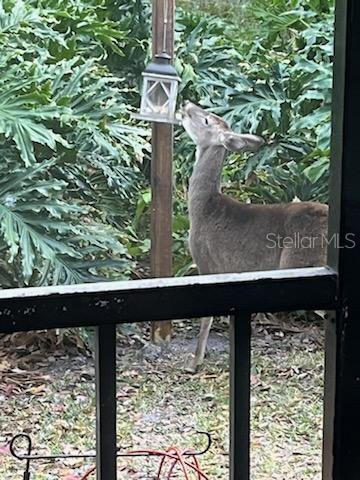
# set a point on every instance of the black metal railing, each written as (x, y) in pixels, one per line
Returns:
(108, 304)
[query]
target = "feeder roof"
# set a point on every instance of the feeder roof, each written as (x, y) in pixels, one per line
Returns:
(161, 66)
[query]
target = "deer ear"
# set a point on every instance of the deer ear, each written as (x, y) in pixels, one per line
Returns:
(241, 142)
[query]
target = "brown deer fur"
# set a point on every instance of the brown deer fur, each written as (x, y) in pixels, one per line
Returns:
(227, 236)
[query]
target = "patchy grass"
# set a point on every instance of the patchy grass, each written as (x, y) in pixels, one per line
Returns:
(159, 405)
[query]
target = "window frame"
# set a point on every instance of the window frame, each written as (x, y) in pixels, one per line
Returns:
(333, 287)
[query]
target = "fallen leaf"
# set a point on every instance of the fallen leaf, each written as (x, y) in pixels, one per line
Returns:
(5, 449)
(37, 390)
(72, 476)
(8, 390)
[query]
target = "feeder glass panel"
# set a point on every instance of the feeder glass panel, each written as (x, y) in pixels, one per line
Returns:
(159, 98)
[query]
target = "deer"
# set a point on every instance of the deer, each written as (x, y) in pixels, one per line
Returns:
(227, 236)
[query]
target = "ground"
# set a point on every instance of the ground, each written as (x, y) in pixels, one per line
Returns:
(49, 392)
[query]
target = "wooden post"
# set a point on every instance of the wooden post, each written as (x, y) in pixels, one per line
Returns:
(161, 170)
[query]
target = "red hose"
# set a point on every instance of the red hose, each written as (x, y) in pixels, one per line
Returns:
(175, 456)
(88, 473)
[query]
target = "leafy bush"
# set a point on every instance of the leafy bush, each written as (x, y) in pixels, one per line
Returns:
(268, 72)
(70, 157)
(74, 176)
(277, 84)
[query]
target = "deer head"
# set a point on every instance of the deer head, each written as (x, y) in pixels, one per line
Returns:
(209, 130)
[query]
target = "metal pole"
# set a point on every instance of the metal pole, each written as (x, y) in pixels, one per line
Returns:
(161, 170)
(105, 365)
(240, 362)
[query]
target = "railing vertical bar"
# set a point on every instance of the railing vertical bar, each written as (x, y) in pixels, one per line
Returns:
(331, 346)
(342, 452)
(106, 402)
(240, 328)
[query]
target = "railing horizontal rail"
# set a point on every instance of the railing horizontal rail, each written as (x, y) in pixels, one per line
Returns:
(167, 298)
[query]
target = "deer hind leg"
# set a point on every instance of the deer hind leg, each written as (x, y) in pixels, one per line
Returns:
(205, 327)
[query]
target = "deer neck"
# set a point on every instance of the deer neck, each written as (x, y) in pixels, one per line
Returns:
(206, 177)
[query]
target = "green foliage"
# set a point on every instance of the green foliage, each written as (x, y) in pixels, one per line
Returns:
(74, 175)
(266, 67)
(275, 81)
(70, 156)
(134, 17)
(231, 10)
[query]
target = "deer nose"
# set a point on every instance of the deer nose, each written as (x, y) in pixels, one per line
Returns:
(186, 107)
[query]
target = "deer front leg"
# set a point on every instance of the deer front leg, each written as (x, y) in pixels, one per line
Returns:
(205, 327)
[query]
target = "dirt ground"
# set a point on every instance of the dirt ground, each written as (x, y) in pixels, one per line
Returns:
(48, 392)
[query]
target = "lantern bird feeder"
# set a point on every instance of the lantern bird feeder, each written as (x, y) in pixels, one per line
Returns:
(160, 86)
(159, 92)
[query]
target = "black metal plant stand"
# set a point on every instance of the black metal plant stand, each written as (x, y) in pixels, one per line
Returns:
(29, 457)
